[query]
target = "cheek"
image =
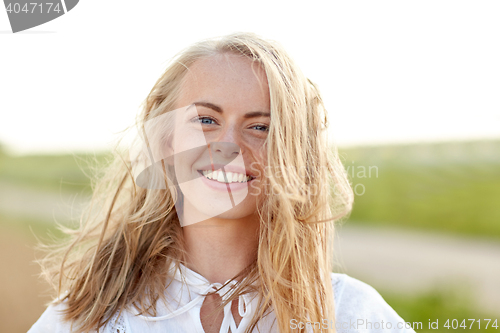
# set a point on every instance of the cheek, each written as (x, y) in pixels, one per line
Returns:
(184, 156)
(255, 148)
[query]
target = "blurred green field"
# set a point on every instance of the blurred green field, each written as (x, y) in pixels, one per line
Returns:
(442, 304)
(50, 172)
(449, 187)
(446, 187)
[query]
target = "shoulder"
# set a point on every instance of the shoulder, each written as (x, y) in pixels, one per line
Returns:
(51, 321)
(359, 307)
(354, 295)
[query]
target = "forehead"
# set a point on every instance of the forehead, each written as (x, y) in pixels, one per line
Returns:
(226, 79)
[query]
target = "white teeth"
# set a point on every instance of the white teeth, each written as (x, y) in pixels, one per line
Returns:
(232, 177)
(220, 177)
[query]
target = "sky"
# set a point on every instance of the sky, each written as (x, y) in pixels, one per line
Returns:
(389, 71)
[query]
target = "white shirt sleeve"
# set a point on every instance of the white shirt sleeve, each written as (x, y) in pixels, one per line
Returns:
(360, 308)
(51, 321)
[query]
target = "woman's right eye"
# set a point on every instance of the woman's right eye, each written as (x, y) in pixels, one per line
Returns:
(205, 120)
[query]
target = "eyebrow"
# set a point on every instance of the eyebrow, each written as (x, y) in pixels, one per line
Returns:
(209, 105)
(218, 109)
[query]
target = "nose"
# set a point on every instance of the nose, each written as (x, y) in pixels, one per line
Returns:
(227, 150)
(226, 144)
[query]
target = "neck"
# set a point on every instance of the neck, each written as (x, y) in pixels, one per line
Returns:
(219, 249)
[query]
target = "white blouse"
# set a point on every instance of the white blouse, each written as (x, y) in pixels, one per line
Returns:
(358, 308)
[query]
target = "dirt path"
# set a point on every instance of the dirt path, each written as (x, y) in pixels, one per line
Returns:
(22, 300)
(22, 294)
(410, 262)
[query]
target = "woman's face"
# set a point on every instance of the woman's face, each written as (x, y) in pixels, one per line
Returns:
(219, 138)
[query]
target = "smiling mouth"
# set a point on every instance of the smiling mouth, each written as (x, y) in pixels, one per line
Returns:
(232, 177)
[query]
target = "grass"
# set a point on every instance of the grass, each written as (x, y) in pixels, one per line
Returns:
(448, 187)
(440, 305)
(50, 172)
(452, 187)
(64, 175)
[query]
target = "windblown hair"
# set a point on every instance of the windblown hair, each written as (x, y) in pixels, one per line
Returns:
(121, 253)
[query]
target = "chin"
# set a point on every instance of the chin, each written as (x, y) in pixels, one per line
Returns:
(236, 214)
(201, 212)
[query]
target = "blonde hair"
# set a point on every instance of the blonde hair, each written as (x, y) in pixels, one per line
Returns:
(121, 254)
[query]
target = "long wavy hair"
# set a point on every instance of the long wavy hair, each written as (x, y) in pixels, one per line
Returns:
(129, 237)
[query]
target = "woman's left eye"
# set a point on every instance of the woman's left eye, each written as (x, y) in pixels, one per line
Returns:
(263, 128)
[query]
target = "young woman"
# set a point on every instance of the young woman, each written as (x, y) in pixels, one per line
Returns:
(223, 220)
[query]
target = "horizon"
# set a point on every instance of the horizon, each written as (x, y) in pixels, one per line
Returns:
(6, 150)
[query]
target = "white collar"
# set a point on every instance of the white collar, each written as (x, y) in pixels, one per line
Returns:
(188, 289)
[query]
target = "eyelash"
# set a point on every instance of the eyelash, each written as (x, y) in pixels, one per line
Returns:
(200, 119)
(265, 126)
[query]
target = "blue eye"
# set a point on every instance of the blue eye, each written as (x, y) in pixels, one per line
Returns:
(205, 120)
(263, 128)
